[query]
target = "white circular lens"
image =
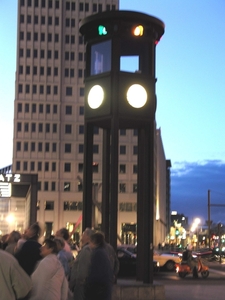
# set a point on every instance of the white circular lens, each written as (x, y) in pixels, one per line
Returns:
(95, 96)
(137, 95)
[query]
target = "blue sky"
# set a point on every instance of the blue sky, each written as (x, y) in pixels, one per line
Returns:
(190, 71)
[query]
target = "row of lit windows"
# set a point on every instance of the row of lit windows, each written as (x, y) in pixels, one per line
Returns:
(48, 108)
(78, 206)
(69, 6)
(47, 167)
(69, 39)
(49, 89)
(52, 187)
(45, 147)
(68, 55)
(50, 71)
(68, 22)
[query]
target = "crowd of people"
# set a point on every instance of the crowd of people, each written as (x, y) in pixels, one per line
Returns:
(31, 270)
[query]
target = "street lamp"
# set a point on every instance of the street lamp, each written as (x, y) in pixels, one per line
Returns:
(195, 228)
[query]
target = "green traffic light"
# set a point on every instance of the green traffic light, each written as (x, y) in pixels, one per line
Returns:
(102, 30)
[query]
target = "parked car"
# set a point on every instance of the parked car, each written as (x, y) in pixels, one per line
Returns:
(166, 260)
(128, 262)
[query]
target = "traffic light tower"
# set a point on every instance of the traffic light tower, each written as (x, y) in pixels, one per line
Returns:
(120, 94)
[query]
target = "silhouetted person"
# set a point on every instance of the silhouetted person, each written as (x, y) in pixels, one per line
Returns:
(29, 254)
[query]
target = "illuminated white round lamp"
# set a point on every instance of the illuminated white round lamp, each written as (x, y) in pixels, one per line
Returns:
(95, 96)
(137, 96)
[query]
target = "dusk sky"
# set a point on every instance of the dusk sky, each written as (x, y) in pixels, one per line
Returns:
(190, 71)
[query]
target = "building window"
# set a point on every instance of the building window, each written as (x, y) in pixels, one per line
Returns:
(48, 89)
(53, 186)
(81, 129)
(54, 147)
(69, 91)
(80, 167)
(19, 107)
(39, 166)
(39, 189)
(55, 71)
(81, 110)
(25, 165)
(46, 166)
(55, 109)
(53, 167)
(95, 149)
(67, 167)
(122, 169)
(55, 90)
(19, 126)
(46, 186)
(135, 150)
(81, 92)
(135, 132)
(27, 90)
(68, 110)
(33, 127)
(122, 149)
(81, 7)
(18, 165)
(32, 165)
(96, 130)
(135, 169)
(54, 128)
(41, 108)
(68, 128)
(135, 188)
(49, 205)
(39, 147)
(46, 147)
(72, 55)
(47, 127)
(25, 146)
(26, 127)
(40, 127)
(81, 148)
(66, 186)
(122, 188)
(34, 89)
(20, 88)
(48, 110)
(67, 148)
(80, 186)
(122, 132)
(95, 167)
(21, 52)
(72, 205)
(18, 146)
(32, 146)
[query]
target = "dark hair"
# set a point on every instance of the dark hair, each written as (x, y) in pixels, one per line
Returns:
(51, 245)
(98, 239)
(36, 229)
(64, 233)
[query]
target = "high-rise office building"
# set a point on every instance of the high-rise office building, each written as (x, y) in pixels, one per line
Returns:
(49, 117)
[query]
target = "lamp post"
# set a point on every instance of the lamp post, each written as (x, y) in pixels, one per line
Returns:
(195, 228)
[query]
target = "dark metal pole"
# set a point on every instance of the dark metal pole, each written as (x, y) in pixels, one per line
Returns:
(105, 182)
(209, 221)
(87, 180)
(114, 182)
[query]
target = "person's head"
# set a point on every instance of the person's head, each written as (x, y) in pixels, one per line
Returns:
(64, 233)
(33, 232)
(97, 240)
(13, 237)
(60, 243)
(85, 238)
(48, 247)
(189, 247)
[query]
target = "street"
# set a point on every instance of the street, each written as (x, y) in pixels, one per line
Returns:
(188, 288)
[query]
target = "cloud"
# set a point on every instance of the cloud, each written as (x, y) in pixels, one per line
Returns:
(190, 183)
